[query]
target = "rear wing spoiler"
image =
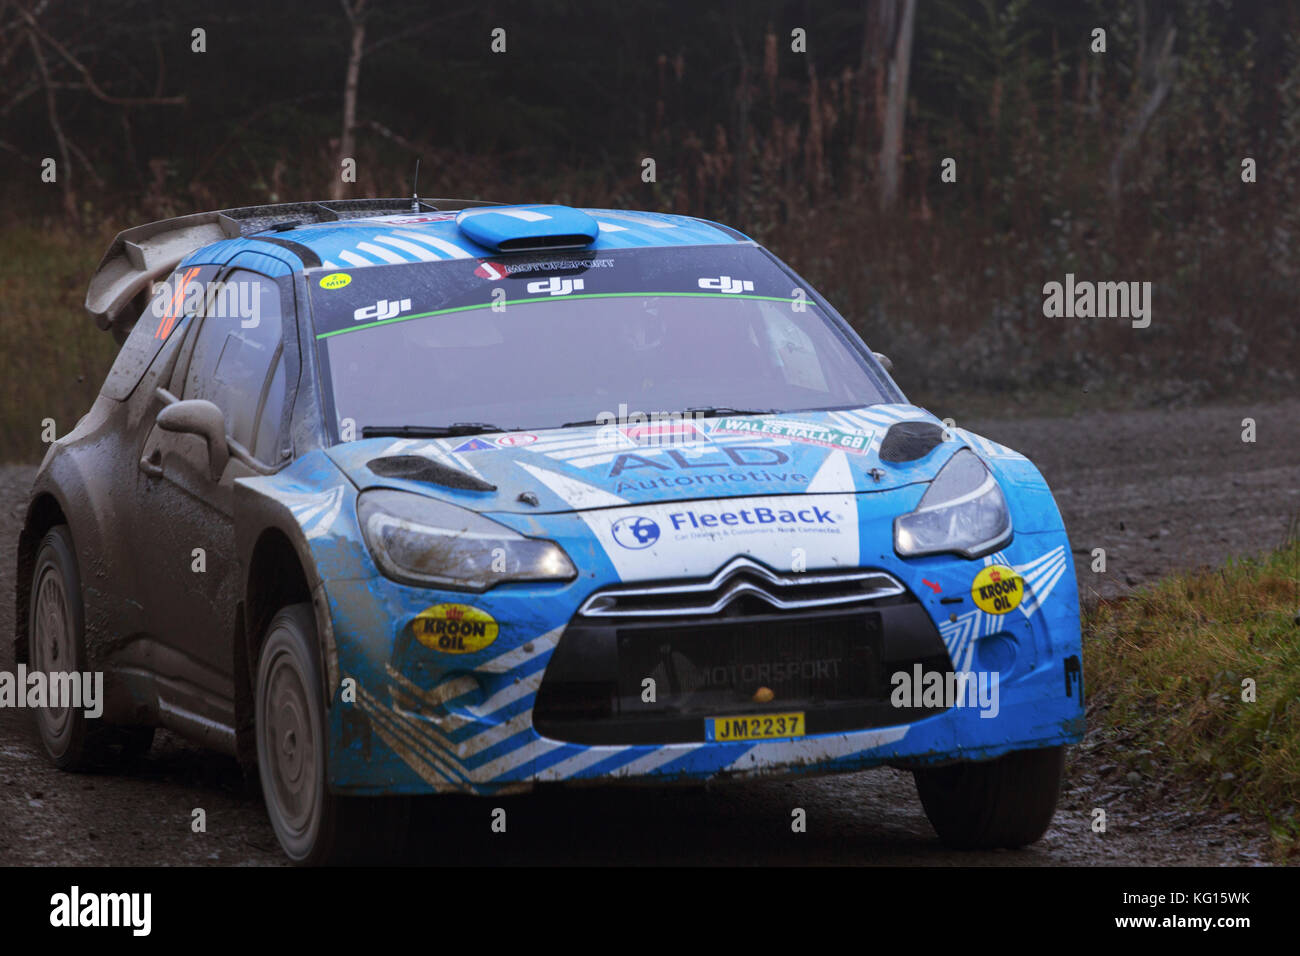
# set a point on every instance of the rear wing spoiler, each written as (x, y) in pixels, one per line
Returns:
(142, 255)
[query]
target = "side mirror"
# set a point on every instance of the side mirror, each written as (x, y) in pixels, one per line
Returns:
(883, 359)
(197, 416)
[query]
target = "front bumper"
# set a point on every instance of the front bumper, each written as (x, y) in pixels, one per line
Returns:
(408, 718)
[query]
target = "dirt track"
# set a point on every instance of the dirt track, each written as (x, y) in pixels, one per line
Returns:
(1157, 490)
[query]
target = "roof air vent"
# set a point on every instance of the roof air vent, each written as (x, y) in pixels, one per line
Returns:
(528, 228)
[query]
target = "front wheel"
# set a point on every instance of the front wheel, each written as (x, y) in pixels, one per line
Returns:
(1006, 802)
(313, 825)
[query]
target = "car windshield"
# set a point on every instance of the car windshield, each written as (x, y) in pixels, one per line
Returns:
(545, 340)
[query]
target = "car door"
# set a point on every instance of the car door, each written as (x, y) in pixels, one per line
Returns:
(234, 358)
(114, 591)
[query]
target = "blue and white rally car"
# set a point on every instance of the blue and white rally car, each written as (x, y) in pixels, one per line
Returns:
(411, 498)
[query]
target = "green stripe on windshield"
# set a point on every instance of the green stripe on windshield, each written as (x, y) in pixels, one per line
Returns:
(566, 298)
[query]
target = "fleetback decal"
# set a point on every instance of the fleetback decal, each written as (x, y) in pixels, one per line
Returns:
(635, 532)
(690, 537)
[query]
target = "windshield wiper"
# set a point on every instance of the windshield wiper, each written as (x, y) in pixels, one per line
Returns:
(709, 411)
(702, 412)
(428, 431)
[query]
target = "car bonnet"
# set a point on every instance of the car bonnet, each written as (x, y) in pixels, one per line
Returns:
(635, 462)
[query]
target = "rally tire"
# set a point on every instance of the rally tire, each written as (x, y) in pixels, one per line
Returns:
(315, 827)
(56, 642)
(1003, 803)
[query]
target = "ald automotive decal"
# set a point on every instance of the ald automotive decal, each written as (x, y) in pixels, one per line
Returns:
(729, 466)
(383, 294)
(663, 540)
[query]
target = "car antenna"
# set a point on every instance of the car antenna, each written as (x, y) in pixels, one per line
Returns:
(415, 187)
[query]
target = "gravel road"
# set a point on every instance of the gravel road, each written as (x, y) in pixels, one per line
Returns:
(1158, 490)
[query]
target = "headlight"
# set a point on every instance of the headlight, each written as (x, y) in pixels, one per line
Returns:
(962, 512)
(421, 541)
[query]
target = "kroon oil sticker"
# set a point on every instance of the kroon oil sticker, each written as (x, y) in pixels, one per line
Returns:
(455, 628)
(997, 589)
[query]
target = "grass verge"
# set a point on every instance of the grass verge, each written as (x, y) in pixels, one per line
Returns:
(1200, 676)
(53, 358)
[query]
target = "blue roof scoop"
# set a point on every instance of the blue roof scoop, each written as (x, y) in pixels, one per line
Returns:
(525, 228)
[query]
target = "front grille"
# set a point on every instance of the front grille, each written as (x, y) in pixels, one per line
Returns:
(718, 667)
(832, 661)
(743, 578)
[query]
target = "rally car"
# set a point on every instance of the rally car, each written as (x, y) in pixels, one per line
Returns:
(401, 497)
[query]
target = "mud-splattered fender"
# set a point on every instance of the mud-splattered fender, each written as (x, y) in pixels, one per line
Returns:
(305, 502)
(87, 488)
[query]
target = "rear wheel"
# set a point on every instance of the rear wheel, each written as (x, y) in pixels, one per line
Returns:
(313, 825)
(56, 643)
(1006, 802)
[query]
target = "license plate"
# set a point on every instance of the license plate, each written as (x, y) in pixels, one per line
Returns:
(753, 727)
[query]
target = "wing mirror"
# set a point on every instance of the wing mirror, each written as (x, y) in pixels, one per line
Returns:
(197, 416)
(883, 359)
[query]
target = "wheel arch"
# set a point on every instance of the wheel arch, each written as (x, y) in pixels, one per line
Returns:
(279, 571)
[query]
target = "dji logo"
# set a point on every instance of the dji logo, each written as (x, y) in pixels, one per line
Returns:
(727, 284)
(554, 286)
(383, 309)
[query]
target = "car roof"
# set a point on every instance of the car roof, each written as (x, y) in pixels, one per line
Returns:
(431, 235)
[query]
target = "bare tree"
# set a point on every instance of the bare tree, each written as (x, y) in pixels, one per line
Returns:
(891, 140)
(878, 26)
(1154, 77)
(358, 49)
(51, 61)
(356, 14)
(88, 81)
(63, 171)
